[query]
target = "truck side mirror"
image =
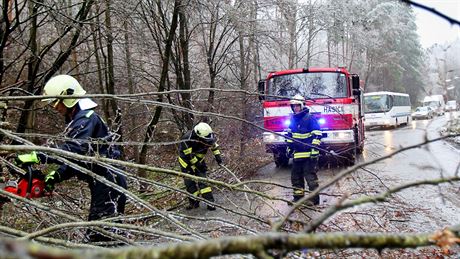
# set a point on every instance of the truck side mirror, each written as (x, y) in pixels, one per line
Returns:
(355, 82)
(261, 89)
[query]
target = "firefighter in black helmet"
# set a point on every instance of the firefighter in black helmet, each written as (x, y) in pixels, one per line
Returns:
(192, 151)
(306, 135)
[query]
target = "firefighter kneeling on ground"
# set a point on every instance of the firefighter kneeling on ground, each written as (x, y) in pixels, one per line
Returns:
(305, 134)
(84, 125)
(192, 151)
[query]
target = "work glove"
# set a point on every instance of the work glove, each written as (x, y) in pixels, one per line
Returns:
(50, 179)
(219, 159)
(30, 158)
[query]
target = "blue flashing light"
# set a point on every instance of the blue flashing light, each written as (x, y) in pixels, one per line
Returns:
(321, 121)
(287, 123)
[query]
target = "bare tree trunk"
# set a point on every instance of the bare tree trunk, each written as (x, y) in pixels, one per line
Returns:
(210, 62)
(32, 67)
(328, 50)
(310, 34)
(129, 74)
(253, 47)
(5, 30)
(164, 74)
(243, 85)
(344, 53)
(291, 16)
(110, 72)
(35, 60)
(100, 79)
(184, 47)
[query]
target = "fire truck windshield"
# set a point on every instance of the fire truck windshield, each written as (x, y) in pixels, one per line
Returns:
(310, 85)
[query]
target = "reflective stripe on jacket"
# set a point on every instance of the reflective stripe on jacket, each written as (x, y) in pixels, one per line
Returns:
(306, 135)
(192, 150)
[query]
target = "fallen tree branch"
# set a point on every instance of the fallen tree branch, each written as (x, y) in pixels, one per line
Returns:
(255, 245)
(373, 199)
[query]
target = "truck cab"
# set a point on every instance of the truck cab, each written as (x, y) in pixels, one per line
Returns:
(333, 96)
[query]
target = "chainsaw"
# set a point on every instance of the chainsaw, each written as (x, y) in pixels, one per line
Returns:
(29, 185)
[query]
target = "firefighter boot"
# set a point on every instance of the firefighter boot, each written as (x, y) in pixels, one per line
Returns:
(192, 204)
(296, 198)
(208, 196)
(315, 200)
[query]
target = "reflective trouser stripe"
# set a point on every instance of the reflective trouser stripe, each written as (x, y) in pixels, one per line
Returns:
(314, 152)
(182, 162)
(202, 191)
(301, 192)
(206, 190)
(216, 152)
(302, 155)
(188, 151)
(316, 142)
(200, 155)
(194, 160)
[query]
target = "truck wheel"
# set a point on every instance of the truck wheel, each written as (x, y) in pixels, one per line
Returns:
(360, 149)
(350, 157)
(281, 158)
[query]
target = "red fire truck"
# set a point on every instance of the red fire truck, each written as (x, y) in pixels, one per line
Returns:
(333, 96)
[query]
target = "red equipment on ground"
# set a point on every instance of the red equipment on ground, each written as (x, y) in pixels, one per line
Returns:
(29, 185)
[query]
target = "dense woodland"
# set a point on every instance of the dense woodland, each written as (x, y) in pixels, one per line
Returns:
(165, 65)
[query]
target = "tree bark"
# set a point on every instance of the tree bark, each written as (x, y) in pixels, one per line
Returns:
(164, 74)
(110, 72)
(35, 61)
(276, 243)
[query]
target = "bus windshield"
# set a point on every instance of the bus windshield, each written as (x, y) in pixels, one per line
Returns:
(377, 103)
(310, 85)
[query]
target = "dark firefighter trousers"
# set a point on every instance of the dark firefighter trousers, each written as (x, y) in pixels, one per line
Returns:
(197, 188)
(304, 169)
(105, 202)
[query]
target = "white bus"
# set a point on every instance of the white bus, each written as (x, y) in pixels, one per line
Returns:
(386, 109)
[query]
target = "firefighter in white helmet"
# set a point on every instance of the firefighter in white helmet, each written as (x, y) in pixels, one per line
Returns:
(84, 129)
(192, 151)
(304, 136)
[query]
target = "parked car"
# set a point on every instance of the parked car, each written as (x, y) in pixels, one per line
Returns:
(451, 106)
(423, 112)
(436, 102)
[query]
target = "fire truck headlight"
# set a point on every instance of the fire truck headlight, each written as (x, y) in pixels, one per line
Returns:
(342, 136)
(321, 121)
(269, 137)
(287, 123)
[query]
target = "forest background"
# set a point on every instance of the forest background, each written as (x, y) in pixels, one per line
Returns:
(166, 65)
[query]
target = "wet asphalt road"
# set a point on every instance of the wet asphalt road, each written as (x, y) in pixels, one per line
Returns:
(418, 209)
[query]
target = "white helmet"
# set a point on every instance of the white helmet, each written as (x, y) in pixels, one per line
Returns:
(297, 100)
(63, 85)
(204, 131)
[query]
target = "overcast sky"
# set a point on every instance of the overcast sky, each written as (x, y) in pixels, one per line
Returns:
(434, 29)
